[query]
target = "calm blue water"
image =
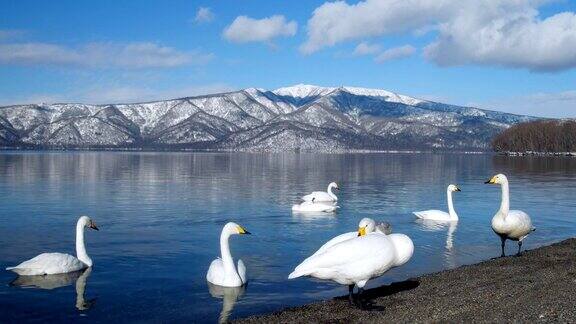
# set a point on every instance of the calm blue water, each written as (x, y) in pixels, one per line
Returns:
(160, 216)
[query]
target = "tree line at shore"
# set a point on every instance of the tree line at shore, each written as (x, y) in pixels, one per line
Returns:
(545, 136)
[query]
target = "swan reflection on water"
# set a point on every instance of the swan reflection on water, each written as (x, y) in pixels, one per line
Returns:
(49, 282)
(450, 227)
(229, 295)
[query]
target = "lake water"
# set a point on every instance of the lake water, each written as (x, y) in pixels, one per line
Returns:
(160, 217)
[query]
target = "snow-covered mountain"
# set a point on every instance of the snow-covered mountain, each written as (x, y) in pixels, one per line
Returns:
(299, 117)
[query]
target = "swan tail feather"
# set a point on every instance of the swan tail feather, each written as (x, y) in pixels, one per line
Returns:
(418, 214)
(10, 268)
(296, 274)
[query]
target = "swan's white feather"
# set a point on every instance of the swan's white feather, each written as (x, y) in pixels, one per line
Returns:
(336, 240)
(433, 214)
(242, 271)
(48, 263)
(354, 261)
(309, 206)
(216, 274)
(515, 226)
(319, 196)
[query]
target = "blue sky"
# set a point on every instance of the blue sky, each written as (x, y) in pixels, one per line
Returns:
(511, 55)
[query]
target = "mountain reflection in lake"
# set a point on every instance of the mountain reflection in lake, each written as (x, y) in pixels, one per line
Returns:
(161, 214)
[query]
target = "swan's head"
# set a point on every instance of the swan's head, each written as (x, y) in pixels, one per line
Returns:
(385, 228)
(233, 229)
(497, 179)
(366, 226)
(453, 188)
(333, 185)
(86, 221)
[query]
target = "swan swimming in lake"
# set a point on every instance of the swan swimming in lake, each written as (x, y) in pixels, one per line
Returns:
(357, 260)
(55, 263)
(314, 207)
(366, 226)
(513, 225)
(439, 215)
(327, 195)
(222, 271)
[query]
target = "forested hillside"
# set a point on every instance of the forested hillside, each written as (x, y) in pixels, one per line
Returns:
(538, 136)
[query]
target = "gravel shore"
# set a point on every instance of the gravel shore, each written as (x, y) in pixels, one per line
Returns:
(540, 286)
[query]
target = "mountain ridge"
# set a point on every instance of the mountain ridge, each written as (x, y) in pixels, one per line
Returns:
(300, 117)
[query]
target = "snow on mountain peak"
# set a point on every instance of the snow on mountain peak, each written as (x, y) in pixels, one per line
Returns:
(306, 90)
(390, 96)
(303, 91)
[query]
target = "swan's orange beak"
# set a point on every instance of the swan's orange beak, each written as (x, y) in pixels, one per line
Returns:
(362, 231)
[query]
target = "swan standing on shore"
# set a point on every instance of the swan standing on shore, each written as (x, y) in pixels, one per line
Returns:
(327, 195)
(439, 215)
(357, 260)
(513, 225)
(222, 271)
(55, 263)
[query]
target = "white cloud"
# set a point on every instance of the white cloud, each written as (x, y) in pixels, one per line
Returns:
(395, 53)
(365, 48)
(508, 33)
(335, 22)
(100, 55)
(519, 40)
(203, 15)
(245, 29)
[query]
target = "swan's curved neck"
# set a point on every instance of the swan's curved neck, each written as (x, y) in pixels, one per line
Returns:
(505, 205)
(331, 193)
(80, 247)
(225, 253)
(451, 210)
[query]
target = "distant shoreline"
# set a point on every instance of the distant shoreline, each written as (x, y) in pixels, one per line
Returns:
(335, 151)
(167, 149)
(538, 286)
(532, 153)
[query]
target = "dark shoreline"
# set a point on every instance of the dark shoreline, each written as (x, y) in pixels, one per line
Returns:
(538, 286)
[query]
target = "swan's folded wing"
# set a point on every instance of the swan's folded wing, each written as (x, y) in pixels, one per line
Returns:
(346, 253)
(318, 196)
(215, 272)
(521, 222)
(49, 263)
(431, 213)
(336, 240)
(242, 271)
(308, 197)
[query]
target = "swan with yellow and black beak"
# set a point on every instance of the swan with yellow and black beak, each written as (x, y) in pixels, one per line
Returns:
(354, 261)
(513, 225)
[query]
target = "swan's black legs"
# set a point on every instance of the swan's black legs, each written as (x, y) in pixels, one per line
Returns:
(360, 298)
(503, 244)
(519, 248)
(351, 294)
